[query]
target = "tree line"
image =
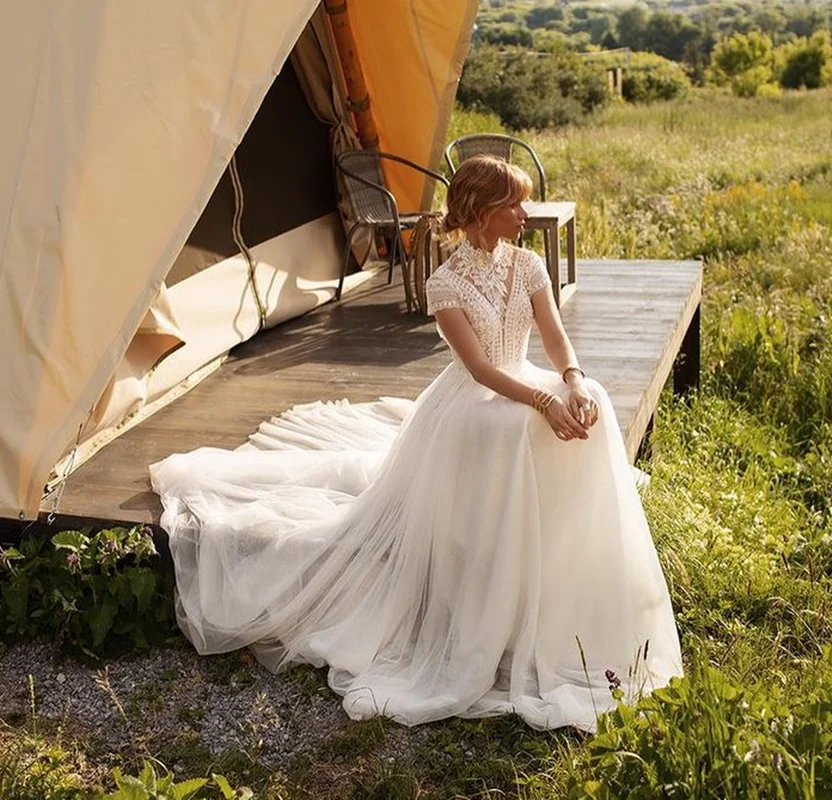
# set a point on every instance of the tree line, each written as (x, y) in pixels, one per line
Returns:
(529, 60)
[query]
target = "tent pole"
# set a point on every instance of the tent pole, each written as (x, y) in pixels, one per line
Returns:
(358, 97)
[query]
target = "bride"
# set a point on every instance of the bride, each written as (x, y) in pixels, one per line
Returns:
(480, 550)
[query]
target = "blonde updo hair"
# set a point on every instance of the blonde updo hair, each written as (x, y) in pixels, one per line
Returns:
(480, 186)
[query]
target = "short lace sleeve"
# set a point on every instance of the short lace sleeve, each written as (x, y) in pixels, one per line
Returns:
(441, 293)
(537, 276)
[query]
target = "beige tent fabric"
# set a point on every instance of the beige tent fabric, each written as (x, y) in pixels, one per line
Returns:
(158, 336)
(121, 117)
(319, 73)
(215, 310)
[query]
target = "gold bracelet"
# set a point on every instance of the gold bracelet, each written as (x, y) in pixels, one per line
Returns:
(571, 367)
(541, 400)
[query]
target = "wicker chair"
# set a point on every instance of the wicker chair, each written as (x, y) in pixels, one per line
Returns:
(493, 144)
(373, 205)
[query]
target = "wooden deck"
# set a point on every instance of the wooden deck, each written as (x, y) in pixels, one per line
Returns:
(627, 322)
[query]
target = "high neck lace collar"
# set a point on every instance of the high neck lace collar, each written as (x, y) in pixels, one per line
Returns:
(477, 257)
(486, 272)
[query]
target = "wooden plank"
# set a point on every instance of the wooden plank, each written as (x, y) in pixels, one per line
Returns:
(627, 320)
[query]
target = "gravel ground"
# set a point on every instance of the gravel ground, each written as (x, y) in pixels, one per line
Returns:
(227, 701)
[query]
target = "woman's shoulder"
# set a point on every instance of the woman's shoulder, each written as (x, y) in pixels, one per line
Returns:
(527, 262)
(522, 256)
(531, 268)
(441, 290)
(440, 275)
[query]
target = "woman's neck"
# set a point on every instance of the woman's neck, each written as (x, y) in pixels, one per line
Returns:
(481, 241)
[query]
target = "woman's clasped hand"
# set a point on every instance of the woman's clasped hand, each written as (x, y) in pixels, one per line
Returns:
(571, 418)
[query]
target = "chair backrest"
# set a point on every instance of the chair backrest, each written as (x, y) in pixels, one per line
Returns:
(364, 181)
(493, 144)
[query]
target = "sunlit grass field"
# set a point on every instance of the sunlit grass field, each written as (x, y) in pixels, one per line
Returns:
(740, 503)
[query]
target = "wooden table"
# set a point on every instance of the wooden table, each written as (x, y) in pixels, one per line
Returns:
(548, 217)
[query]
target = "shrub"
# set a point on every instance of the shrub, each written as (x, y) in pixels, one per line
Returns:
(743, 62)
(806, 63)
(530, 90)
(650, 78)
(95, 593)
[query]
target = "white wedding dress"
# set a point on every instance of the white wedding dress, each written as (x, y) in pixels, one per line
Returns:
(443, 556)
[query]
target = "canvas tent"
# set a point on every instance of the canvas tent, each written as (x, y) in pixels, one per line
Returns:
(120, 283)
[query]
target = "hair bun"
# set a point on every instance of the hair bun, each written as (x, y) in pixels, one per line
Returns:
(449, 222)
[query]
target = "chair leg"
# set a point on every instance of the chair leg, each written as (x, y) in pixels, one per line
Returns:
(347, 252)
(391, 260)
(405, 272)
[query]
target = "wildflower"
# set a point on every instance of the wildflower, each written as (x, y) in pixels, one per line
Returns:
(613, 679)
(753, 753)
(777, 760)
(73, 561)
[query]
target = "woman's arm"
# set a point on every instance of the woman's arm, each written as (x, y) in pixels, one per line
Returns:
(460, 336)
(561, 354)
(556, 343)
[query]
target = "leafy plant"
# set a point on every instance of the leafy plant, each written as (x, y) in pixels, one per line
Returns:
(150, 786)
(531, 90)
(745, 62)
(99, 593)
(705, 736)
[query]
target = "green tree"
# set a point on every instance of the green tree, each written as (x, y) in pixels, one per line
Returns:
(745, 62)
(632, 28)
(529, 90)
(805, 21)
(506, 34)
(806, 63)
(600, 26)
(769, 20)
(669, 34)
(540, 17)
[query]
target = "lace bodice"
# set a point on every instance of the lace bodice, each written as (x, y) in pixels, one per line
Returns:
(494, 291)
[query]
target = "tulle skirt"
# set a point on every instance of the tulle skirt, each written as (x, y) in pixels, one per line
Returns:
(448, 556)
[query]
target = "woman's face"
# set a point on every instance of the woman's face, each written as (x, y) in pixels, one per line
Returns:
(507, 222)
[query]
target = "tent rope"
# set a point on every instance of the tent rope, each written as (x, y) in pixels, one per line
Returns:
(59, 489)
(237, 235)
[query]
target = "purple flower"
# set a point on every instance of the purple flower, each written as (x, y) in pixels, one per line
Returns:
(612, 678)
(73, 561)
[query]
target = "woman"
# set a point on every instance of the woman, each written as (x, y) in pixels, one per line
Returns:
(481, 550)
